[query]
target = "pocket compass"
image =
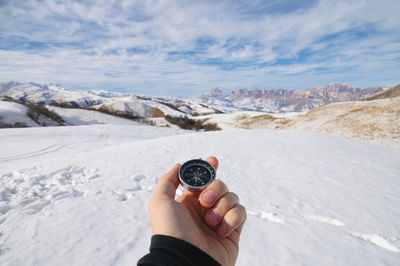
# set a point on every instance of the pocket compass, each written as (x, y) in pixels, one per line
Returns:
(197, 174)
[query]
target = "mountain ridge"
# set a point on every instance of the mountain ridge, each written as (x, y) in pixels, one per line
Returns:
(282, 100)
(273, 100)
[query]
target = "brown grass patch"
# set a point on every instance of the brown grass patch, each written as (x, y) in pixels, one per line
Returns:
(155, 112)
(192, 124)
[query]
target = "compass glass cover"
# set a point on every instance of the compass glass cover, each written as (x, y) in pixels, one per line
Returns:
(197, 173)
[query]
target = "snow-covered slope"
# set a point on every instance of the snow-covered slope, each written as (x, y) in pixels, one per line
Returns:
(376, 121)
(16, 114)
(78, 195)
(11, 113)
(247, 120)
(74, 116)
(38, 93)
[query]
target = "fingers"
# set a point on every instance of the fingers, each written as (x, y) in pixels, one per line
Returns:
(213, 193)
(226, 214)
(214, 216)
(213, 161)
(233, 220)
(168, 183)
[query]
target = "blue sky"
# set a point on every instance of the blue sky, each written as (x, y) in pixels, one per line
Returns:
(187, 47)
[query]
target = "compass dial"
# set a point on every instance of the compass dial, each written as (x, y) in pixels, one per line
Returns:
(196, 174)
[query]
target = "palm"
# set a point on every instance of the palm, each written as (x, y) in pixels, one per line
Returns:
(224, 250)
(187, 218)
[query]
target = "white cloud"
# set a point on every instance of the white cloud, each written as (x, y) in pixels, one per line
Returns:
(226, 44)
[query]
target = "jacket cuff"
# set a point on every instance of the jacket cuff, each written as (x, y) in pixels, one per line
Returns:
(171, 251)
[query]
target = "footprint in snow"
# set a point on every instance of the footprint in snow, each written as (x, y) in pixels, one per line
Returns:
(138, 178)
(376, 240)
(324, 219)
(121, 196)
(31, 191)
(141, 183)
(269, 216)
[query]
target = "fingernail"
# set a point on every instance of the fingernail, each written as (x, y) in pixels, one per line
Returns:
(213, 217)
(222, 229)
(209, 197)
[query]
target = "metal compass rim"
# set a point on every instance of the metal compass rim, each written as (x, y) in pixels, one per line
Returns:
(200, 161)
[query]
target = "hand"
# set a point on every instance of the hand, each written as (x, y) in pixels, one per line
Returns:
(211, 220)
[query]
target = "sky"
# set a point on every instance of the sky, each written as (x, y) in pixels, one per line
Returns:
(185, 48)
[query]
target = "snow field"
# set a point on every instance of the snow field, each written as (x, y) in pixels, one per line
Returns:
(311, 199)
(11, 112)
(86, 117)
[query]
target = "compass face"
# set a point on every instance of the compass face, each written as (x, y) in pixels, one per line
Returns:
(196, 174)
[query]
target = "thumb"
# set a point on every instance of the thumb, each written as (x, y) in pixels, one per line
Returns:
(168, 183)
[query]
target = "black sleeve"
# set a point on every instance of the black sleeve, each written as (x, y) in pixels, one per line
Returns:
(170, 251)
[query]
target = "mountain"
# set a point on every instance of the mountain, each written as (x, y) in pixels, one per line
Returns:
(389, 93)
(281, 100)
(109, 102)
(213, 102)
(75, 107)
(376, 121)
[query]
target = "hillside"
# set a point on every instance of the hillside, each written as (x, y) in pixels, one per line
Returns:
(109, 102)
(14, 115)
(389, 93)
(213, 102)
(78, 195)
(376, 121)
(250, 120)
(282, 100)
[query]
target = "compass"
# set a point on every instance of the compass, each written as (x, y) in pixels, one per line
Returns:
(196, 174)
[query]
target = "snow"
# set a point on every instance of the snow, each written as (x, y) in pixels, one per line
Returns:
(78, 195)
(11, 113)
(136, 105)
(86, 117)
(249, 120)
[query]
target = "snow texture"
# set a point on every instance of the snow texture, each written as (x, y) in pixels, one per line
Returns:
(78, 195)
(87, 117)
(11, 112)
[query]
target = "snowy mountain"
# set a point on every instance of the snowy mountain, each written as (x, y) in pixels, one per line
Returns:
(213, 102)
(280, 100)
(135, 106)
(73, 107)
(78, 195)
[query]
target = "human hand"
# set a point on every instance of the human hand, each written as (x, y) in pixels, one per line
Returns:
(211, 220)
